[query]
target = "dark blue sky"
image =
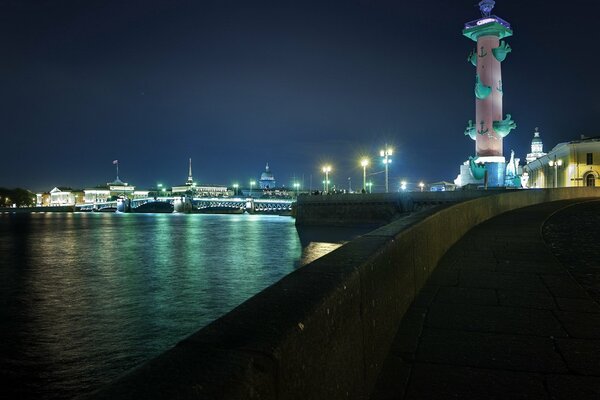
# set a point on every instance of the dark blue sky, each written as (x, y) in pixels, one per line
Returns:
(236, 84)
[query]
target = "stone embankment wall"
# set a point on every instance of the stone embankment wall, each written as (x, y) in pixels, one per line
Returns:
(323, 331)
(372, 209)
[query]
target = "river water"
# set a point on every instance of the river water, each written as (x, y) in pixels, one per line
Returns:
(86, 296)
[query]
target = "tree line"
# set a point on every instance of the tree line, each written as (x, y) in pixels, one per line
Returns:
(19, 196)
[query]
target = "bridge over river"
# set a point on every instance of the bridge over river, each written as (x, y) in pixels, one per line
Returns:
(198, 204)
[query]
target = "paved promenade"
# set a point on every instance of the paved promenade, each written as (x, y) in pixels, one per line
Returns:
(502, 317)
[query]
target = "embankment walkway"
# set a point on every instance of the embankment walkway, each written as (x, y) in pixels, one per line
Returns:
(499, 318)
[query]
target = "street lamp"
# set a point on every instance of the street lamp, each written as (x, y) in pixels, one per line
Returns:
(297, 187)
(235, 188)
(555, 163)
(252, 183)
(364, 162)
(421, 185)
(158, 187)
(403, 185)
(327, 170)
(370, 185)
(386, 154)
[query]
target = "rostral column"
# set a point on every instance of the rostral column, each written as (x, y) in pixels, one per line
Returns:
(490, 127)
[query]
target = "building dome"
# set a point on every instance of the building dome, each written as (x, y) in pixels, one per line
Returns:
(267, 180)
(267, 174)
(537, 147)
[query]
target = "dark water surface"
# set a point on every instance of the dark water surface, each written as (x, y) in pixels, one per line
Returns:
(87, 296)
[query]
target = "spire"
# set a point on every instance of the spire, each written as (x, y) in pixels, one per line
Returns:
(190, 180)
(267, 167)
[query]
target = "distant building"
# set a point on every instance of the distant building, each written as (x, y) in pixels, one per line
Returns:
(570, 164)
(190, 187)
(442, 186)
(537, 148)
(65, 196)
(112, 190)
(42, 199)
(267, 180)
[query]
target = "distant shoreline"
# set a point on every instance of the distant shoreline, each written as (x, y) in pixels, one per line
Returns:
(37, 209)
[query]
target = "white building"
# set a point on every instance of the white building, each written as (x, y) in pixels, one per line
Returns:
(537, 148)
(570, 164)
(64, 196)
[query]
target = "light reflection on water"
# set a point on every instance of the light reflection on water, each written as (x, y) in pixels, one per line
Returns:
(85, 297)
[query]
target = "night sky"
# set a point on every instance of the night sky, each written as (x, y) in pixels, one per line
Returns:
(236, 84)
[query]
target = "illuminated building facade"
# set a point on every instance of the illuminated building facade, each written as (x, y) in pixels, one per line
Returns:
(537, 148)
(571, 164)
(112, 190)
(64, 196)
(195, 189)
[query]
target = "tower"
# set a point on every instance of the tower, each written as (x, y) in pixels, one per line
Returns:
(537, 147)
(190, 180)
(490, 128)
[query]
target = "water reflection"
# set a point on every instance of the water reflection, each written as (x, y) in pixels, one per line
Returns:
(84, 297)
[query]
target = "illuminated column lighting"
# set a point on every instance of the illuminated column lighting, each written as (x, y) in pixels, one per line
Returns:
(403, 185)
(252, 183)
(386, 154)
(326, 170)
(421, 185)
(235, 189)
(364, 162)
(296, 187)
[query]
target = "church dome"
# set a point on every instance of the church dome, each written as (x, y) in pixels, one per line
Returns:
(267, 175)
(267, 180)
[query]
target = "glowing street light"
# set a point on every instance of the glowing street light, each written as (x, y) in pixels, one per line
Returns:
(235, 189)
(364, 162)
(326, 170)
(252, 183)
(370, 185)
(296, 187)
(159, 187)
(555, 163)
(387, 160)
(403, 185)
(421, 185)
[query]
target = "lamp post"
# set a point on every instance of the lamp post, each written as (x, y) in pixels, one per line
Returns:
(235, 189)
(296, 187)
(370, 185)
(364, 162)
(387, 160)
(403, 185)
(158, 189)
(326, 170)
(421, 185)
(555, 163)
(252, 183)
